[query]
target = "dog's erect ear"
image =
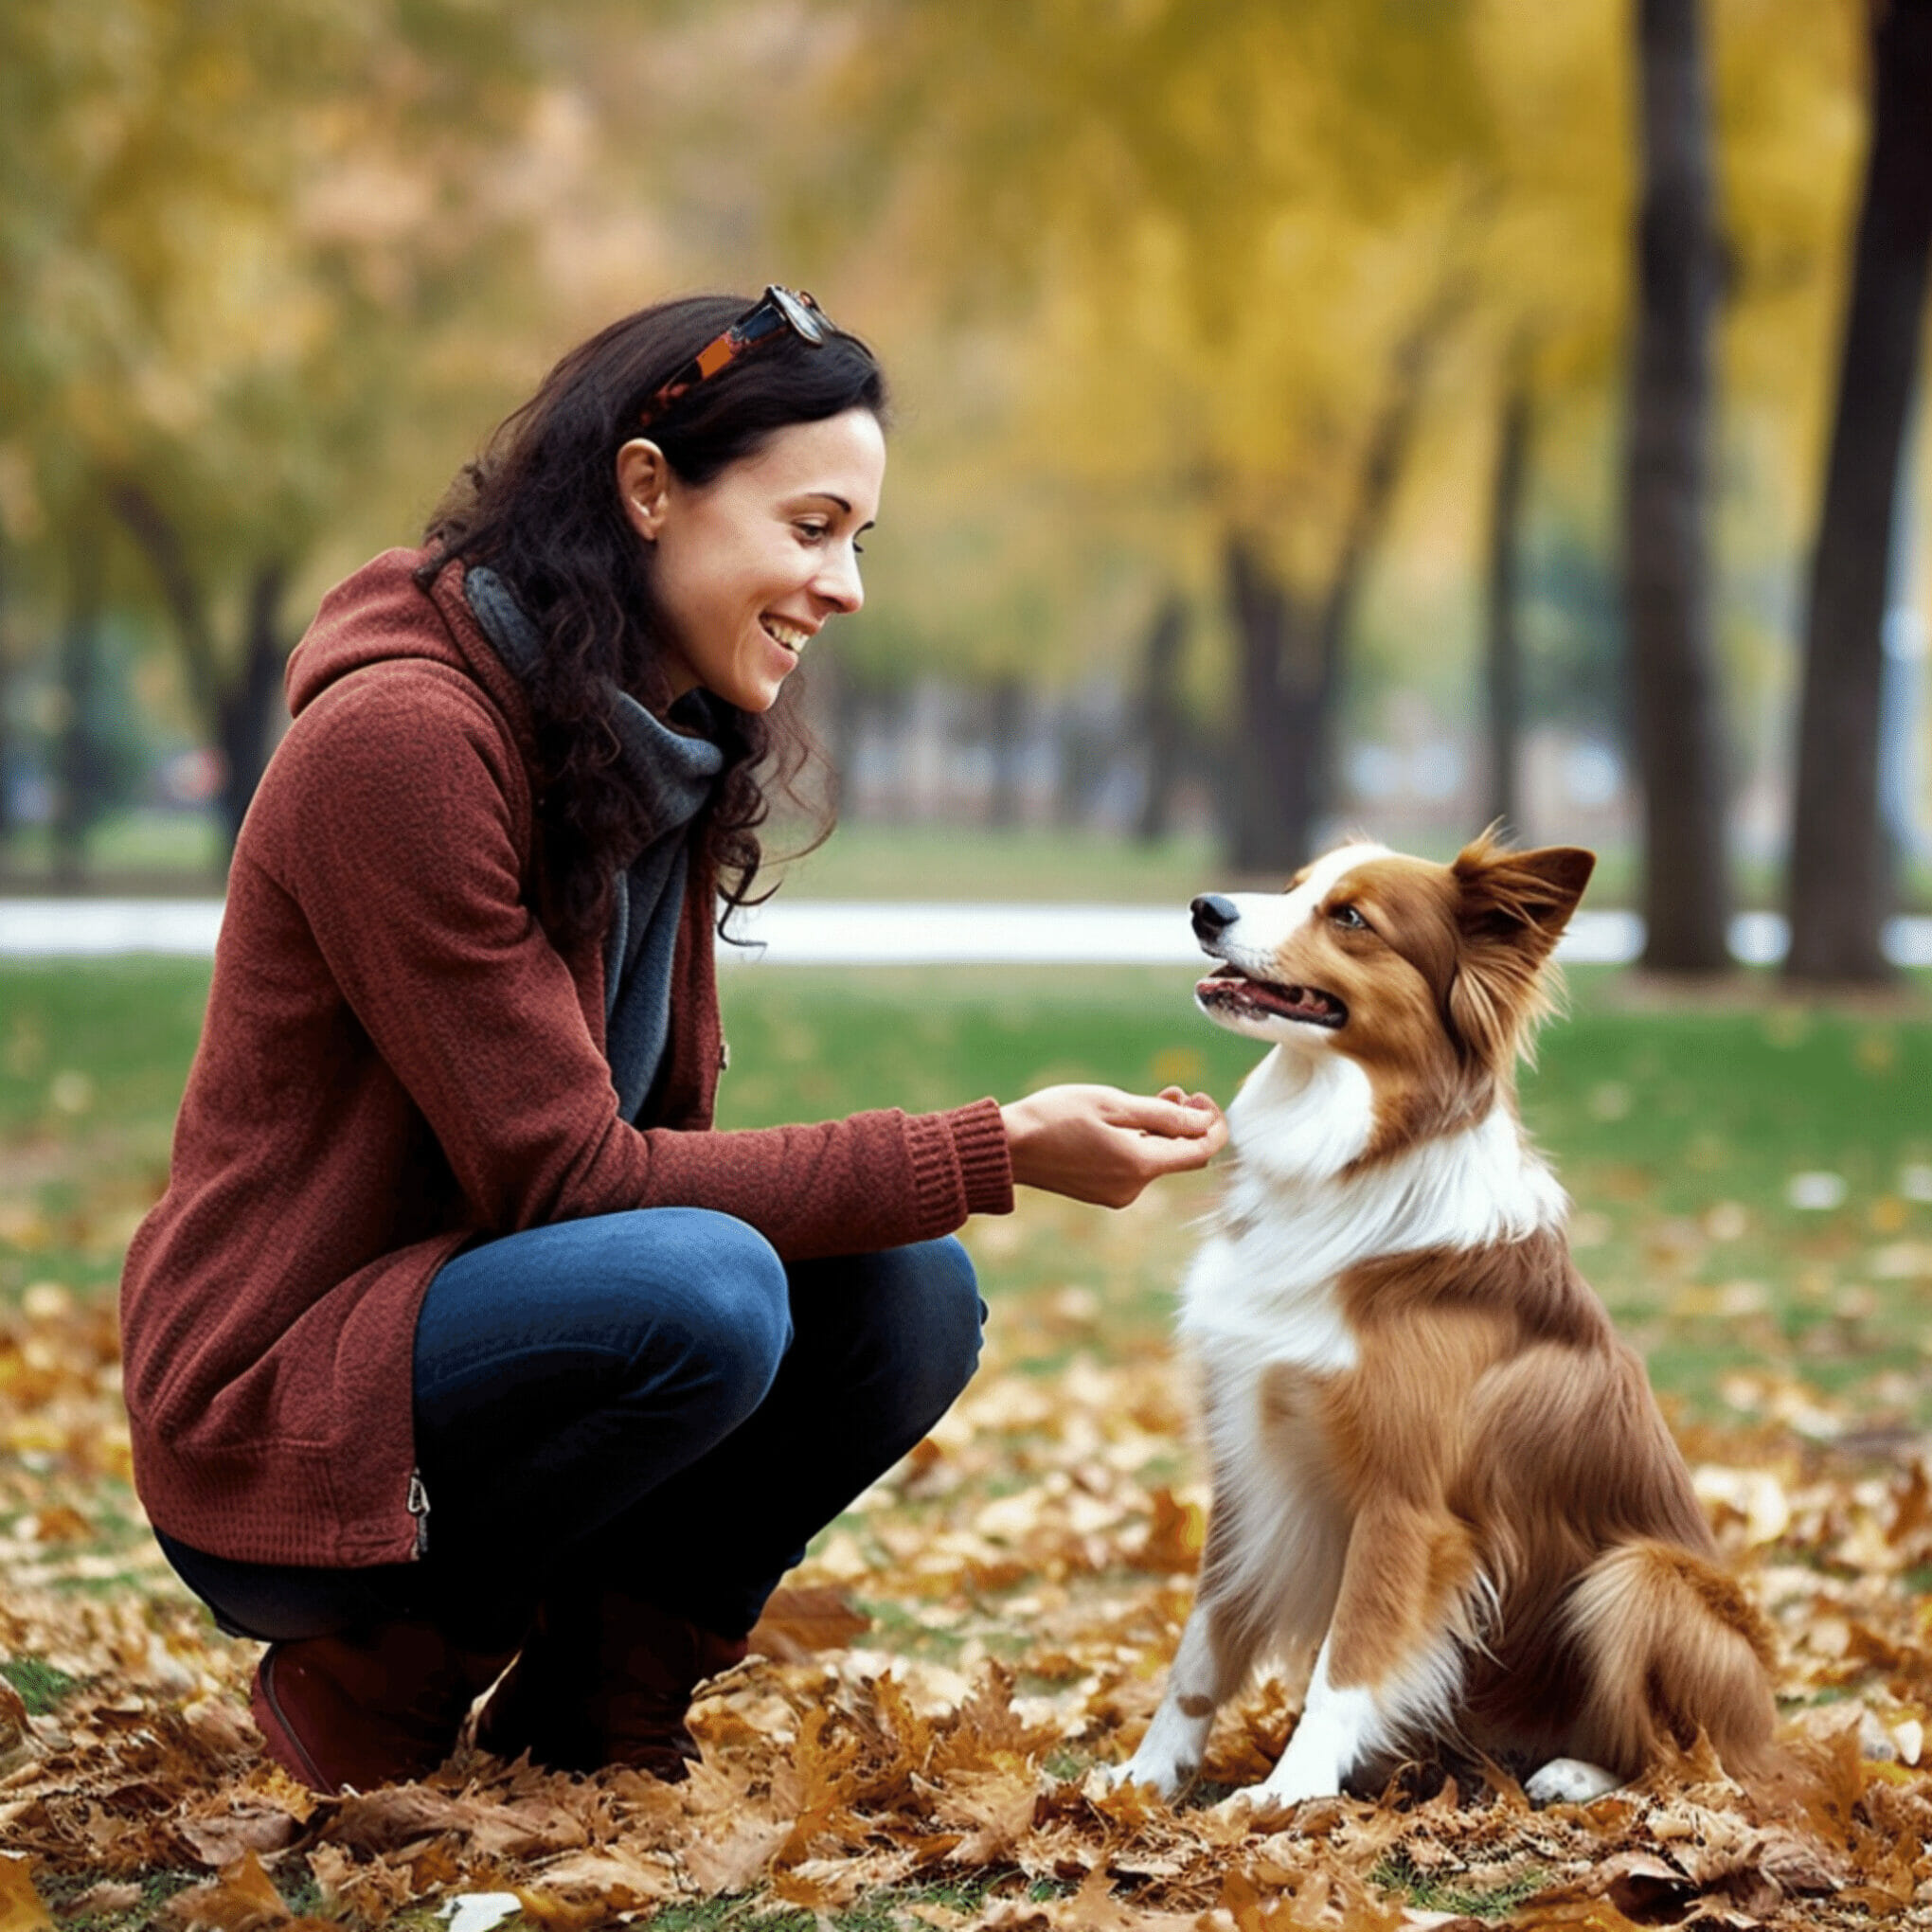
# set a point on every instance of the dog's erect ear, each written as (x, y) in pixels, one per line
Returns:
(1525, 897)
(1511, 908)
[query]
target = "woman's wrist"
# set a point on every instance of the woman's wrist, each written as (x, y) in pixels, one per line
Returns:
(1021, 1120)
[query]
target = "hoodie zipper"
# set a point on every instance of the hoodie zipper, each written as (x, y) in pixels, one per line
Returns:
(419, 1508)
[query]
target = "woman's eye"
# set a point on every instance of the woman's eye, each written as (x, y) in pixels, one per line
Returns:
(1348, 915)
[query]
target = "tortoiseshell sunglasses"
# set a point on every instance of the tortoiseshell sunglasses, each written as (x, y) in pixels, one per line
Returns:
(775, 310)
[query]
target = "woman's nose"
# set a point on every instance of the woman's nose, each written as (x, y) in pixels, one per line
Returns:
(838, 582)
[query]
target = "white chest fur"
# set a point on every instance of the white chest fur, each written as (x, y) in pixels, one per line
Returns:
(1263, 1287)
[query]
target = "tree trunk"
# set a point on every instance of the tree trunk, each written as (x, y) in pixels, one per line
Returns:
(247, 710)
(1163, 725)
(238, 710)
(1677, 699)
(1290, 657)
(1841, 858)
(6, 708)
(835, 704)
(77, 756)
(1503, 646)
(1006, 723)
(1086, 751)
(1279, 737)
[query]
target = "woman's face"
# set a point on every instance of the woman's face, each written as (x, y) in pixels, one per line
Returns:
(748, 566)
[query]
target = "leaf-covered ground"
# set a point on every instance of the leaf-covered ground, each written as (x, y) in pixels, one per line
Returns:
(995, 1617)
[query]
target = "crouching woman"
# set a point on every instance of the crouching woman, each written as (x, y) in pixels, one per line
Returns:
(459, 1340)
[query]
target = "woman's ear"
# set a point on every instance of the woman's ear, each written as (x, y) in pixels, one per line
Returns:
(644, 486)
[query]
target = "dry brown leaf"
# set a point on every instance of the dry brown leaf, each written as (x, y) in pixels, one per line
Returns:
(995, 1809)
(1174, 1539)
(621, 1877)
(22, 1909)
(62, 1524)
(17, 1742)
(242, 1899)
(544, 1907)
(1582, 1915)
(403, 1814)
(1645, 1886)
(942, 1918)
(800, 1621)
(738, 1859)
(219, 1838)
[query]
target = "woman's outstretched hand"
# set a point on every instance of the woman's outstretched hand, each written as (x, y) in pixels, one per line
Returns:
(1095, 1143)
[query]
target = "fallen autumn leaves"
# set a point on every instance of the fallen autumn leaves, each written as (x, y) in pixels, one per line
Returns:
(986, 1623)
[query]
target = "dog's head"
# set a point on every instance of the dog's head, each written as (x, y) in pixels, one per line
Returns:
(1429, 976)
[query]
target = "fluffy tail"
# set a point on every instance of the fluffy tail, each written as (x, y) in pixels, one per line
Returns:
(1670, 1647)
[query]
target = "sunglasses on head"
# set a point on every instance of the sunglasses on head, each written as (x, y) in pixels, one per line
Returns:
(776, 310)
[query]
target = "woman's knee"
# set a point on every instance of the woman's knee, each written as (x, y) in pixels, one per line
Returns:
(928, 1305)
(736, 1302)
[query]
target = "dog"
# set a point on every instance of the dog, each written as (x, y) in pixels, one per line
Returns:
(1430, 1455)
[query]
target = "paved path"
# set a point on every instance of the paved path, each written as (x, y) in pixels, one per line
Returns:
(809, 932)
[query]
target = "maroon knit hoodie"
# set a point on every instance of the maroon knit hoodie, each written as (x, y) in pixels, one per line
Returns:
(397, 1062)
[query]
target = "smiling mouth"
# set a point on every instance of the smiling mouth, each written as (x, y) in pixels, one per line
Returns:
(1231, 991)
(794, 637)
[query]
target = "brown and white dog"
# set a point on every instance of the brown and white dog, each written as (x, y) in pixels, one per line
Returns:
(1430, 1453)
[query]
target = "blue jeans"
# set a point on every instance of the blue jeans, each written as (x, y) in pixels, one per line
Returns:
(650, 1402)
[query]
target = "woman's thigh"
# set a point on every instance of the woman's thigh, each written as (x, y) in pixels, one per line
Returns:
(885, 1344)
(564, 1371)
(555, 1318)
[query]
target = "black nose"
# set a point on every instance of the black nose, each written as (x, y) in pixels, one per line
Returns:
(1213, 914)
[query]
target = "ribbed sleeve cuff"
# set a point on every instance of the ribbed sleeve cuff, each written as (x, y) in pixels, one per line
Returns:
(960, 1166)
(986, 1161)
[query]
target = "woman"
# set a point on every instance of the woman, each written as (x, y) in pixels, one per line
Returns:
(458, 1337)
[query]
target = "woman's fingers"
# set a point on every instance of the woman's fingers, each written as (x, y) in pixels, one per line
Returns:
(1175, 1152)
(1169, 1113)
(1097, 1143)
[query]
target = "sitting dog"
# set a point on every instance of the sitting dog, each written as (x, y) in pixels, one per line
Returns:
(1430, 1453)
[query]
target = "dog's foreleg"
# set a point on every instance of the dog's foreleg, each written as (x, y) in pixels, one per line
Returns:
(1392, 1664)
(1208, 1667)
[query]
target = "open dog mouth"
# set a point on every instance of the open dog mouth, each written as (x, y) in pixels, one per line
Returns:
(1232, 991)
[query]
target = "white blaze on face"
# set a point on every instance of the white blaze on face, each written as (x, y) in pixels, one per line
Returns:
(1269, 920)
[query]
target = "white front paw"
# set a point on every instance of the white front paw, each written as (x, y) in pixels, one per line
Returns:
(1288, 1786)
(1569, 1781)
(1256, 1809)
(1164, 1778)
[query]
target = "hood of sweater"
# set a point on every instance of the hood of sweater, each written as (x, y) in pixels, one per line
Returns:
(375, 617)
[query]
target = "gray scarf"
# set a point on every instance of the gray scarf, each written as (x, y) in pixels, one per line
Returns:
(673, 774)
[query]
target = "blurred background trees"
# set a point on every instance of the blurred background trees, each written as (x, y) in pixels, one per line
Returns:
(1843, 858)
(1313, 413)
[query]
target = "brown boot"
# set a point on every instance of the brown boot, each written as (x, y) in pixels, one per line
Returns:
(605, 1679)
(367, 1711)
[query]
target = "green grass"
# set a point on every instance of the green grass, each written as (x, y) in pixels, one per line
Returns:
(63, 1891)
(884, 1911)
(93, 1057)
(41, 1685)
(1678, 1130)
(1458, 1894)
(171, 851)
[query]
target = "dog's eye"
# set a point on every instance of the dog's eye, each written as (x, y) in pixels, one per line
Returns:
(1347, 916)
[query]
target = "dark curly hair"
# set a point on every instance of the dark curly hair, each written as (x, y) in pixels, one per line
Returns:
(540, 508)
